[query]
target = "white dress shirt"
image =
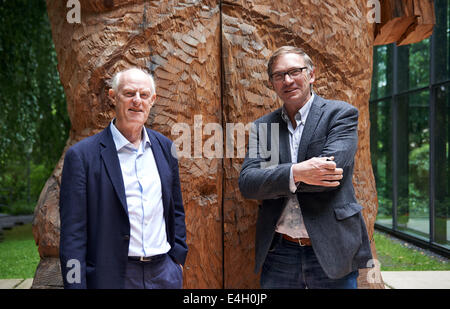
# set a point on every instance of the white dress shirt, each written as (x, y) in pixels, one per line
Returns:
(291, 221)
(144, 196)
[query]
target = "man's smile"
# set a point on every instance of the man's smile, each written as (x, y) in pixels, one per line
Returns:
(290, 90)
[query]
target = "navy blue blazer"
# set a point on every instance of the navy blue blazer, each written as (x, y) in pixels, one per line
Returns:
(95, 228)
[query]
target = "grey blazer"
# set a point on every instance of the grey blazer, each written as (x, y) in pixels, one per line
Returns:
(332, 216)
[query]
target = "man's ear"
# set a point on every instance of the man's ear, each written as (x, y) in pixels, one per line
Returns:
(312, 76)
(112, 96)
(153, 99)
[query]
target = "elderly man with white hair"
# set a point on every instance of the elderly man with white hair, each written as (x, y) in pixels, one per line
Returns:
(122, 214)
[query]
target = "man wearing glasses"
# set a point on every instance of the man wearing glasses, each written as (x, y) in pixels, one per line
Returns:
(310, 232)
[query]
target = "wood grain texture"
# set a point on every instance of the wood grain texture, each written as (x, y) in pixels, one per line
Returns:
(99, 6)
(405, 22)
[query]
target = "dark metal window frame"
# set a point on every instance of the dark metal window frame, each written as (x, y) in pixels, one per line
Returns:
(393, 97)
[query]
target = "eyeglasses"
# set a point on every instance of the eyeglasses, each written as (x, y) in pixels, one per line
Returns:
(294, 72)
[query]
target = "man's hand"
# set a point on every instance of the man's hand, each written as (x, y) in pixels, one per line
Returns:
(318, 172)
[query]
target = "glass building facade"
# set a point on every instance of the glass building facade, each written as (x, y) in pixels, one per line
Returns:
(410, 134)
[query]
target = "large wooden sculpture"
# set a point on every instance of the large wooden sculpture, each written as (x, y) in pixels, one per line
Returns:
(209, 59)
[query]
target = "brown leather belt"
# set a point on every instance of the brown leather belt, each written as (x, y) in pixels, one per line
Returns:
(146, 259)
(301, 241)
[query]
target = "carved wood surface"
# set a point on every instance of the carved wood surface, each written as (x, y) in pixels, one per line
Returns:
(209, 61)
(405, 22)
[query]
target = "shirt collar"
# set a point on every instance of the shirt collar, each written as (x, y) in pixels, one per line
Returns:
(302, 113)
(120, 141)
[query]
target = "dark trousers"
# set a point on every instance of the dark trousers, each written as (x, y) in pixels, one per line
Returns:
(159, 273)
(291, 266)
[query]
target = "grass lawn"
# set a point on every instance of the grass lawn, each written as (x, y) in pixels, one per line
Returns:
(19, 256)
(394, 255)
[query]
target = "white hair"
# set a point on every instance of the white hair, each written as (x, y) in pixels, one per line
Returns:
(115, 80)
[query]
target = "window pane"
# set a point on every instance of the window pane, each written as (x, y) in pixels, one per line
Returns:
(442, 195)
(382, 71)
(413, 151)
(414, 65)
(381, 154)
(441, 35)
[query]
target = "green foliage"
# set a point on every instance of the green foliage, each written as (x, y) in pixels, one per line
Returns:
(16, 176)
(419, 171)
(34, 124)
(21, 208)
(419, 64)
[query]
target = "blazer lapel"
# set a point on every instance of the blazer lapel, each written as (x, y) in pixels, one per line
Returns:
(163, 169)
(285, 149)
(310, 126)
(109, 156)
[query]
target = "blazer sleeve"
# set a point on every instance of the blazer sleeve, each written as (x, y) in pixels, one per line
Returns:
(342, 143)
(73, 208)
(180, 250)
(260, 178)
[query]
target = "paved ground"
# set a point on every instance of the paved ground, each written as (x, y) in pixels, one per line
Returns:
(392, 280)
(15, 283)
(416, 279)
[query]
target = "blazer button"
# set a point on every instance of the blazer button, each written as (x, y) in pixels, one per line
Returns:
(126, 237)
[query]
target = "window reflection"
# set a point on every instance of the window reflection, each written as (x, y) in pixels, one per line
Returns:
(441, 35)
(381, 154)
(382, 74)
(414, 65)
(442, 175)
(413, 157)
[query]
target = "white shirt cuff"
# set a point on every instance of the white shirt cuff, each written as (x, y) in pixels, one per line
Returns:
(292, 185)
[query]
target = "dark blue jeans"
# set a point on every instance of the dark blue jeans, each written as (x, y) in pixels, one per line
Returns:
(291, 266)
(160, 273)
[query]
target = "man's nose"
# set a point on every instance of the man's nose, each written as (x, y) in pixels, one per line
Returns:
(137, 98)
(288, 79)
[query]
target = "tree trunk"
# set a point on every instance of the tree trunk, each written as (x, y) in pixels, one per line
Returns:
(209, 60)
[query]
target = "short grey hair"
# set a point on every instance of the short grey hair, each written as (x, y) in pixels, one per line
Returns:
(288, 50)
(115, 80)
